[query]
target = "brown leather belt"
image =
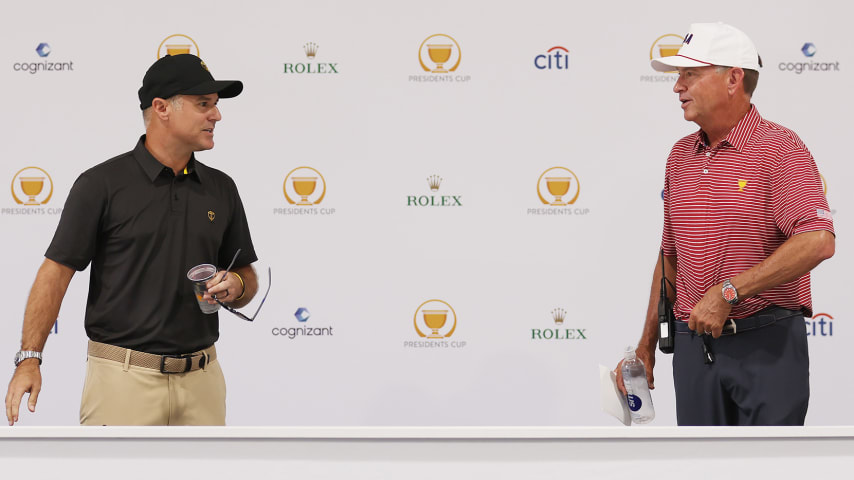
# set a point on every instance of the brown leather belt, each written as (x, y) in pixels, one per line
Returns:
(163, 363)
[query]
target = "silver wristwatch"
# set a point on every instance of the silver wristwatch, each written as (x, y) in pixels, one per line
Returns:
(25, 354)
(729, 293)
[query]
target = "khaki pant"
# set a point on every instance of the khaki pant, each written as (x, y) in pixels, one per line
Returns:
(115, 394)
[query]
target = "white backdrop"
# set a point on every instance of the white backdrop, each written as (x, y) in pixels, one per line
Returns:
(376, 126)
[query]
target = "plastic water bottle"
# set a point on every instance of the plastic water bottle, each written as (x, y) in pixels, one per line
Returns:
(637, 388)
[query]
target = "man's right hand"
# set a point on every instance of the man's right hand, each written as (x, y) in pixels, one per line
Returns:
(27, 379)
(648, 358)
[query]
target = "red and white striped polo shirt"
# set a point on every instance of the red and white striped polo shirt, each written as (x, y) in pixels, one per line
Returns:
(728, 207)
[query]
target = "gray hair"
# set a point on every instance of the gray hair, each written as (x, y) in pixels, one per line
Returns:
(177, 102)
(751, 78)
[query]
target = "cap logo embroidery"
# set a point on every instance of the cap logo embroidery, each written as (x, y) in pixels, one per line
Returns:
(688, 38)
(204, 66)
(741, 185)
(211, 215)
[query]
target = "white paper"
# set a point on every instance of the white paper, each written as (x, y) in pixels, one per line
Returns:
(613, 401)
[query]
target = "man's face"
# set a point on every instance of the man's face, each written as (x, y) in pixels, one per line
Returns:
(702, 91)
(192, 124)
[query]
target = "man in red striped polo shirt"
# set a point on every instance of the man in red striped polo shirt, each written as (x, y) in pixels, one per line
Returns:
(745, 220)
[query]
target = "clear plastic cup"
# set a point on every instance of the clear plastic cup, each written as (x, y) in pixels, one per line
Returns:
(200, 275)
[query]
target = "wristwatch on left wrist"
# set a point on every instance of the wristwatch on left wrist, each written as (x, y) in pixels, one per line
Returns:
(25, 354)
(729, 293)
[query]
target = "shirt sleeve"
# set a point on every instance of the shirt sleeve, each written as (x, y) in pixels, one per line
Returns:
(76, 236)
(798, 199)
(237, 235)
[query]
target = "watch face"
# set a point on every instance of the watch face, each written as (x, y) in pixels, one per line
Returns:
(729, 294)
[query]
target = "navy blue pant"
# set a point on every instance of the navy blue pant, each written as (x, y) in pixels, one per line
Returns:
(759, 376)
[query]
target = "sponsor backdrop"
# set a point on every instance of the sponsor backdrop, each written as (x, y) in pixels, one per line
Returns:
(460, 202)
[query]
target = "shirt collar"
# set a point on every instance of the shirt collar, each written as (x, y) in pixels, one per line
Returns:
(153, 168)
(739, 135)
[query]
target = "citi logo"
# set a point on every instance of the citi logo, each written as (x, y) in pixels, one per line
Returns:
(820, 325)
(553, 59)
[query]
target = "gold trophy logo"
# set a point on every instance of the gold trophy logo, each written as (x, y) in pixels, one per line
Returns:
(666, 45)
(302, 183)
(433, 315)
(440, 50)
(560, 183)
(28, 186)
(177, 44)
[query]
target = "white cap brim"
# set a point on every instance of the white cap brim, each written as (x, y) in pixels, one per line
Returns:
(669, 64)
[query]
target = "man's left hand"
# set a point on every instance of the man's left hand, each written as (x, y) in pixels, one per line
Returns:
(224, 287)
(710, 313)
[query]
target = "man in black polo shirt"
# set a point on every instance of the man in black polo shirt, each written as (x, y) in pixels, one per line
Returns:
(143, 219)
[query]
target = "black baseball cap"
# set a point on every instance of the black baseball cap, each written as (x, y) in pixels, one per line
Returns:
(183, 74)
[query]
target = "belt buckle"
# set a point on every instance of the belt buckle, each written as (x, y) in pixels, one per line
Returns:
(187, 367)
(730, 326)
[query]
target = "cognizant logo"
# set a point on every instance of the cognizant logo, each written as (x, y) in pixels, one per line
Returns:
(43, 50)
(809, 50)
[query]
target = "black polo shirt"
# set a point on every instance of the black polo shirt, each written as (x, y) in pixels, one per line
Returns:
(143, 228)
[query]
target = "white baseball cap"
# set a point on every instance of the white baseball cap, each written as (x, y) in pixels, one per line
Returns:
(712, 44)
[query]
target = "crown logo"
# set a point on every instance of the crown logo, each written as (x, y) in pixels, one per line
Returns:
(310, 50)
(204, 66)
(558, 315)
(434, 181)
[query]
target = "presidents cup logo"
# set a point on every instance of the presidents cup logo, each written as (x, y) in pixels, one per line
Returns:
(809, 50)
(43, 51)
(558, 331)
(31, 188)
(824, 189)
(304, 188)
(177, 44)
(434, 182)
(820, 325)
(666, 45)
(558, 187)
(435, 321)
(308, 66)
(439, 55)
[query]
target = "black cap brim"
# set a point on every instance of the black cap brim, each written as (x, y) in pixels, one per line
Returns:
(224, 88)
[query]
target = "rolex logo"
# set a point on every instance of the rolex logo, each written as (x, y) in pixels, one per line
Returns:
(309, 66)
(434, 182)
(558, 315)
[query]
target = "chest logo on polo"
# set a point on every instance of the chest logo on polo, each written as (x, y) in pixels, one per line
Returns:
(211, 215)
(741, 185)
